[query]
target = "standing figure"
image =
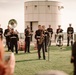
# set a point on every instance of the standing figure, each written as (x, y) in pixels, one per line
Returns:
(1, 32)
(7, 61)
(7, 36)
(27, 33)
(14, 41)
(59, 36)
(46, 35)
(70, 32)
(73, 57)
(39, 36)
(50, 31)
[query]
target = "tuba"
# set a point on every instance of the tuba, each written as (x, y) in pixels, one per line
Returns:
(12, 23)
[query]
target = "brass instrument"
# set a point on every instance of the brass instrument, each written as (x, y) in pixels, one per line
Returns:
(41, 38)
(12, 23)
(70, 36)
(29, 32)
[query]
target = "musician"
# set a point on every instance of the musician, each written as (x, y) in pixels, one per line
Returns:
(7, 36)
(50, 31)
(73, 56)
(46, 35)
(14, 41)
(70, 32)
(39, 36)
(1, 32)
(59, 35)
(27, 39)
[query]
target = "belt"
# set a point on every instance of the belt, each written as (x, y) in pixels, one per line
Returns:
(13, 37)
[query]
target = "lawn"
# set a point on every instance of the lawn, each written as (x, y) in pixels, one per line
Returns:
(59, 59)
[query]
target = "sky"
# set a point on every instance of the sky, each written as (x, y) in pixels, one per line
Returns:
(15, 9)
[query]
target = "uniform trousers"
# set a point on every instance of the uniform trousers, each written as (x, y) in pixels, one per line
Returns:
(68, 40)
(27, 44)
(41, 46)
(14, 44)
(8, 43)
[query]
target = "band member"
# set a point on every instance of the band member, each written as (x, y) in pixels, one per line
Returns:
(46, 35)
(50, 30)
(16, 32)
(39, 36)
(1, 32)
(59, 36)
(73, 57)
(7, 36)
(70, 32)
(27, 39)
(14, 41)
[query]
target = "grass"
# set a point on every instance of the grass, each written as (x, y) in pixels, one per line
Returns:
(28, 63)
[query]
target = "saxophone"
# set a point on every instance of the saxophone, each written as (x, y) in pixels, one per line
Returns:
(41, 38)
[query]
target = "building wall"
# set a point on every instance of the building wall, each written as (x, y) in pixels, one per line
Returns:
(43, 13)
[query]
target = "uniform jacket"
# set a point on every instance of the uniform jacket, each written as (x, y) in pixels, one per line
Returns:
(70, 30)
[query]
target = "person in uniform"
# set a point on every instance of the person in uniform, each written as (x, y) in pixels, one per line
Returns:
(27, 33)
(1, 32)
(39, 36)
(50, 31)
(14, 41)
(46, 34)
(59, 36)
(70, 32)
(73, 56)
(7, 36)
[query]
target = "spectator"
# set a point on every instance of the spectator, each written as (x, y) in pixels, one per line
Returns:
(7, 63)
(73, 56)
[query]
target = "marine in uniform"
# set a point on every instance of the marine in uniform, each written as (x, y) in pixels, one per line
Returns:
(27, 33)
(50, 31)
(7, 36)
(46, 35)
(14, 41)
(59, 36)
(39, 36)
(70, 32)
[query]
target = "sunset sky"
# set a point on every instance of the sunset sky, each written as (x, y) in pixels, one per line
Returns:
(15, 9)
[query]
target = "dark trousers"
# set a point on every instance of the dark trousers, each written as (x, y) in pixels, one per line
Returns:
(27, 45)
(48, 41)
(68, 40)
(39, 49)
(8, 43)
(14, 44)
(74, 68)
